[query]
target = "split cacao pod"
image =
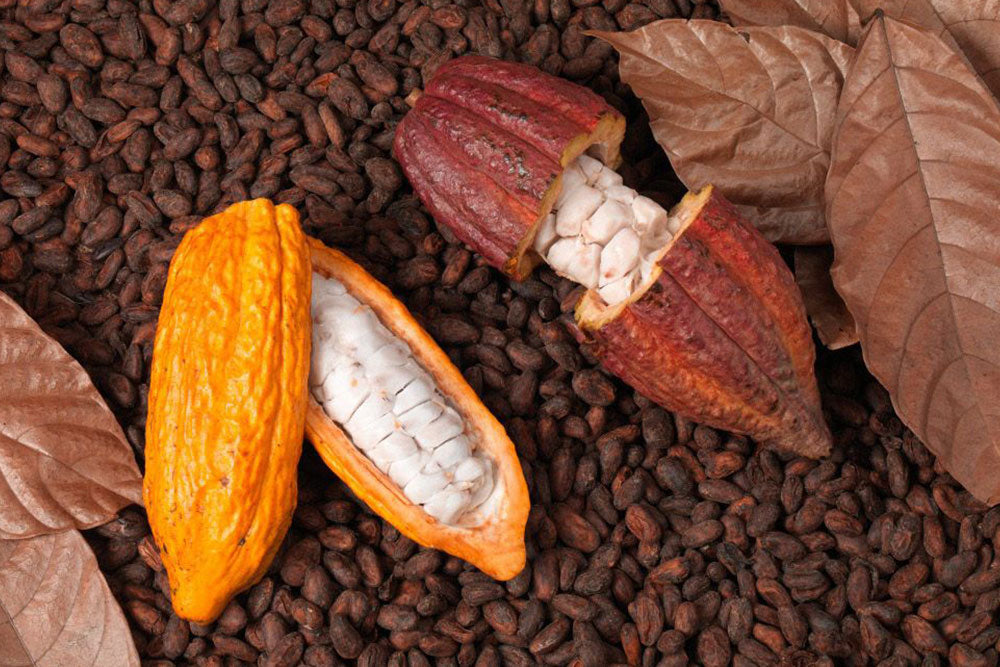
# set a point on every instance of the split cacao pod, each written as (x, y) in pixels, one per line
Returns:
(493, 538)
(720, 335)
(227, 402)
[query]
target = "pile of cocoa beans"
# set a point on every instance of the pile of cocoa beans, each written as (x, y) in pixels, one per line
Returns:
(651, 540)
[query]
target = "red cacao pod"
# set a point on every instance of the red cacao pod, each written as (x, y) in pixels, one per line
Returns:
(485, 147)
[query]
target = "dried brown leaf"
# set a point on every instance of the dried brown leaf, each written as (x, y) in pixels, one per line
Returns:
(827, 311)
(751, 111)
(64, 461)
(970, 26)
(834, 18)
(914, 211)
(55, 607)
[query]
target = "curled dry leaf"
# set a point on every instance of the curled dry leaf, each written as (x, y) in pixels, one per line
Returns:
(972, 27)
(913, 204)
(827, 311)
(834, 18)
(55, 607)
(64, 461)
(750, 111)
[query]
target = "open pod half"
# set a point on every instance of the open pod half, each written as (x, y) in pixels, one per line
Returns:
(717, 331)
(485, 147)
(693, 308)
(396, 421)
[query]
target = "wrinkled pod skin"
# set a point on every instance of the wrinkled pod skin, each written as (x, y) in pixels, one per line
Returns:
(719, 335)
(227, 403)
(493, 538)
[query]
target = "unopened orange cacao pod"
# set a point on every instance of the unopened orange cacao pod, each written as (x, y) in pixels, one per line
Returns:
(227, 402)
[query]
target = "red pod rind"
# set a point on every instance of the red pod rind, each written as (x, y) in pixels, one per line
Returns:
(719, 334)
(485, 146)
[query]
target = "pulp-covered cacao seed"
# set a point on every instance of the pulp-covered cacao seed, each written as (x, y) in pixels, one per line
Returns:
(398, 423)
(601, 233)
(693, 308)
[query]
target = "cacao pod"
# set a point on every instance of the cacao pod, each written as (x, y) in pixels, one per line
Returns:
(227, 402)
(711, 325)
(719, 334)
(485, 147)
(489, 535)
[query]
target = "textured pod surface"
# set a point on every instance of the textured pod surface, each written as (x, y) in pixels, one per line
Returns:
(485, 146)
(227, 402)
(492, 538)
(719, 334)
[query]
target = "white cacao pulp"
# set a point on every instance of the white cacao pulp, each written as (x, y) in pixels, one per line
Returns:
(368, 381)
(601, 233)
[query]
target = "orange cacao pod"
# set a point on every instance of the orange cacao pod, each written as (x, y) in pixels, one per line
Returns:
(489, 535)
(227, 402)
